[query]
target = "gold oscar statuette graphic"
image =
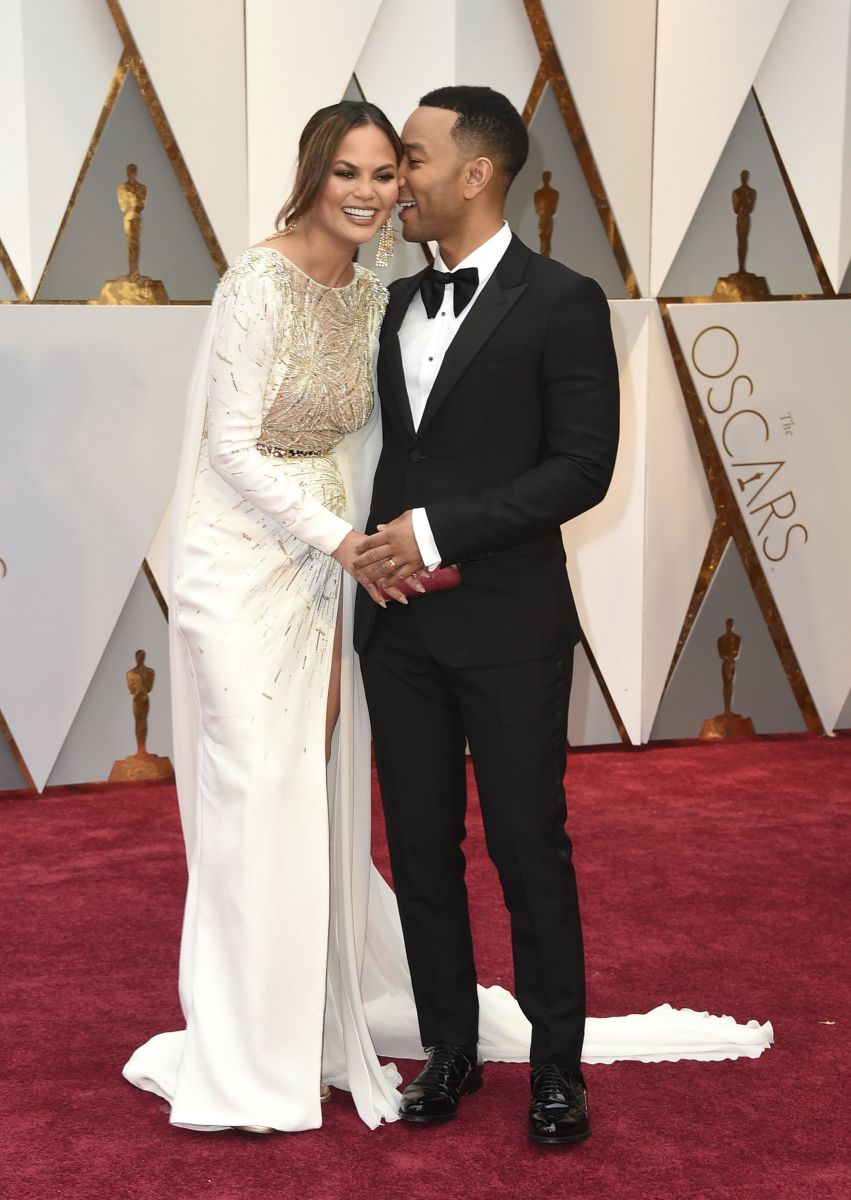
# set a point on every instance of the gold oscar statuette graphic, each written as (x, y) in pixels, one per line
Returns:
(546, 203)
(728, 724)
(742, 285)
(141, 765)
(133, 288)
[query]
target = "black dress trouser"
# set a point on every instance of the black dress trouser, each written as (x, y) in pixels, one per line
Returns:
(514, 717)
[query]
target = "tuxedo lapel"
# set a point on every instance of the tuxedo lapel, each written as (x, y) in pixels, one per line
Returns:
(496, 300)
(391, 371)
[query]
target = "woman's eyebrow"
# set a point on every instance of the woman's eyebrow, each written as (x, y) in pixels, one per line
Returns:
(341, 162)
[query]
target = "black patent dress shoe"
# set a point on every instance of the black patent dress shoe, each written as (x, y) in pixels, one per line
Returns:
(434, 1094)
(559, 1112)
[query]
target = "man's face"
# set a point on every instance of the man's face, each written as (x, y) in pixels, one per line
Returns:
(431, 198)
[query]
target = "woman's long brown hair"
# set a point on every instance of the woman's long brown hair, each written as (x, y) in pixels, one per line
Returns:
(317, 151)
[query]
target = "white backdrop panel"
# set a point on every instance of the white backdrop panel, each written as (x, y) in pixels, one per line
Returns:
(605, 546)
(804, 88)
(92, 419)
(70, 53)
(679, 515)
(299, 57)
(773, 382)
(708, 53)
(607, 50)
(195, 55)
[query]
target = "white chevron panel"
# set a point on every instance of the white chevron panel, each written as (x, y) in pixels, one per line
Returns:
(679, 516)
(708, 53)
(67, 55)
(772, 379)
(607, 50)
(804, 86)
(299, 57)
(399, 62)
(14, 194)
(195, 55)
(158, 554)
(496, 48)
(92, 427)
(605, 546)
(487, 42)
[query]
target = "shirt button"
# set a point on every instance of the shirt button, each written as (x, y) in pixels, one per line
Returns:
(430, 359)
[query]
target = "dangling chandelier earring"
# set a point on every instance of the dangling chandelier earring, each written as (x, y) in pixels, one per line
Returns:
(386, 244)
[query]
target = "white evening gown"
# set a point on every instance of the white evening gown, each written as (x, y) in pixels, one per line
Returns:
(281, 405)
(289, 971)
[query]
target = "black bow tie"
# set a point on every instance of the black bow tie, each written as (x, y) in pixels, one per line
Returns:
(433, 285)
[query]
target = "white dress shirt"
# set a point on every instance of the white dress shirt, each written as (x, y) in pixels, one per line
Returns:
(424, 343)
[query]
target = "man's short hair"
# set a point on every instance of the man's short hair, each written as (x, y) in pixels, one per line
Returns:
(488, 123)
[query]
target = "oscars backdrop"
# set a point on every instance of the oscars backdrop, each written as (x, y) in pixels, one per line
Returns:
(693, 156)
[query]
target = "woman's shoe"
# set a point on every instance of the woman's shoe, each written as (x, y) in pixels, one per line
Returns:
(324, 1093)
(255, 1128)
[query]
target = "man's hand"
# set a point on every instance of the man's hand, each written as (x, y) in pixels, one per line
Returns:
(389, 556)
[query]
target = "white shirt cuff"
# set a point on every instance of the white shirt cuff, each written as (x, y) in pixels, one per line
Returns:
(429, 552)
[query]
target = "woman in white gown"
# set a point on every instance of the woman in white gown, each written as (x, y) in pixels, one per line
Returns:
(281, 413)
(292, 964)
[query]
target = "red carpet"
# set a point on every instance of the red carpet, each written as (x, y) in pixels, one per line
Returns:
(711, 876)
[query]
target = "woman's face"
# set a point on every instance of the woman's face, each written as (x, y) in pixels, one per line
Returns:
(362, 188)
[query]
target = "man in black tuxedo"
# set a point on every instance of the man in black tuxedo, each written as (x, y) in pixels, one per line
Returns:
(499, 393)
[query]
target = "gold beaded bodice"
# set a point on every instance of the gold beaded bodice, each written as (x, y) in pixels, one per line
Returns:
(320, 385)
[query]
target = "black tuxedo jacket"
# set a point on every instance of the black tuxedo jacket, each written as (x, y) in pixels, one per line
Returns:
(519, 434)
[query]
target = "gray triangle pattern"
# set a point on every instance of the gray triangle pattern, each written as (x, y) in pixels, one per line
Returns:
(776, 248)
(103, 728)
(846, 282)
(10, 773)
(843, 721)
(589, 722)
(761, 689)
(578, 239)
(92, 248)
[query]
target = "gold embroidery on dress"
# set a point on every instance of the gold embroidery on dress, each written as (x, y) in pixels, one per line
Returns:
(320, 387)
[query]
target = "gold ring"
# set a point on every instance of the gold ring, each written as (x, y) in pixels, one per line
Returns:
(392, 564)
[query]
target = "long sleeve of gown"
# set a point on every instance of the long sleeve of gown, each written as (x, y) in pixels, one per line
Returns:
(250, 321)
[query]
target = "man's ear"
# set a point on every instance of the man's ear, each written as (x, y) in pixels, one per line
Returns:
(477, 175)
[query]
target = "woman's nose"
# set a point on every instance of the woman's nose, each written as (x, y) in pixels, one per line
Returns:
(365, 189)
